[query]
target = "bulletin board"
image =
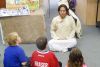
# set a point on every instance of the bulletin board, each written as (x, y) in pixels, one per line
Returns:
(19, 7)
(18, 4)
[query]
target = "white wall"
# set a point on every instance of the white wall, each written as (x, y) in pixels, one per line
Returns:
(53, 3)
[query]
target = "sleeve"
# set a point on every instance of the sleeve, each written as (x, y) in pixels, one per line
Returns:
(21, 55)
(53, 29)
(77, 25)
(73, 28)
(54, 60)
(32, 59)
(78, 28)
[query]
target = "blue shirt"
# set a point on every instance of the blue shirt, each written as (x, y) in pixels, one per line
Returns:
(14, 56)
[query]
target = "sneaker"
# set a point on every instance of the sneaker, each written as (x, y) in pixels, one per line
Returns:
(69, 49)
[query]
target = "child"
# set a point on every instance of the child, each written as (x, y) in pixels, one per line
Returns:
(76, 59)
(42, 58)
(14, 55)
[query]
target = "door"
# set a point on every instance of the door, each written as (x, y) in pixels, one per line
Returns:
(2, 3)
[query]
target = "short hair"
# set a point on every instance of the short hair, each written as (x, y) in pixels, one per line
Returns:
(75, 58)
(12, 37)
(41, 43)
(63, 5)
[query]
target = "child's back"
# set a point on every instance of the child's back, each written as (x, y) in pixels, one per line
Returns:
(14, 55)
(42, 58)
(76, 59)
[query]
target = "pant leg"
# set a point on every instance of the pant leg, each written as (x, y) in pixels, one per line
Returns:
(61, 45)
(54, 45)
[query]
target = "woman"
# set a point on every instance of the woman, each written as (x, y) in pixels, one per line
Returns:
(71, 13)
(62, 31)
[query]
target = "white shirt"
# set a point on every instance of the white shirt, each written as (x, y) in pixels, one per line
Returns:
(78, 23)
(63, 28)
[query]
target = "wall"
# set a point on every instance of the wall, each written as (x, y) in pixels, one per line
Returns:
(86, 10)
(45, 6)
(91, 12)
(99, 12)
(81, 9)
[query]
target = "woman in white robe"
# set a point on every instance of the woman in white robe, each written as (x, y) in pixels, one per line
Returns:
(62, 31)
(71, 13)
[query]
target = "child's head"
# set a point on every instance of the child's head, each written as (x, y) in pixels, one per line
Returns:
(41, 43)
(13, 38)
(75, 58)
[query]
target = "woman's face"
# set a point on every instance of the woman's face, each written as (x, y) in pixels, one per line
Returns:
(62, 12)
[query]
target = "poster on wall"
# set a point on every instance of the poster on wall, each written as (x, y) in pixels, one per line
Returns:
(19, 7)
(16, 4)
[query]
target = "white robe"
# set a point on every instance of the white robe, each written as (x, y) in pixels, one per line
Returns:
(78, 24)
(62, 32)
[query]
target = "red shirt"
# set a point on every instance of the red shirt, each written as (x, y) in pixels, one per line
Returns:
(44, 59)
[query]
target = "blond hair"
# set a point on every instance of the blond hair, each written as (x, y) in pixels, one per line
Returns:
(12, 38)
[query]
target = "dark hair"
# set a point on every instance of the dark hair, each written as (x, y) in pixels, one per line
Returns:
(41, 43)
(62, 5)
(75, 58)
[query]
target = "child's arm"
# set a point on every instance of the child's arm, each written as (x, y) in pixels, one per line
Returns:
(22, 57)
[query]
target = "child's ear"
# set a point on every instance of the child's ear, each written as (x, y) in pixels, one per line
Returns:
(19, 40)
